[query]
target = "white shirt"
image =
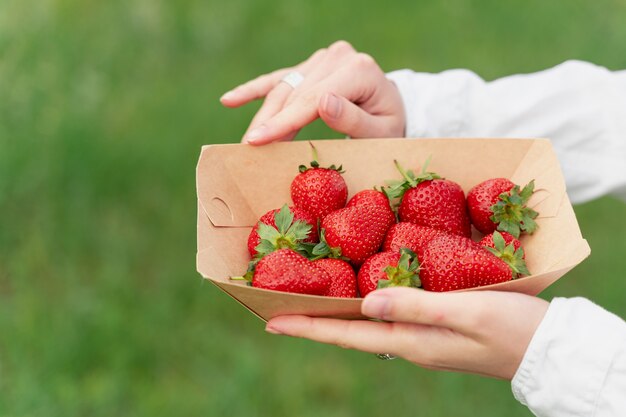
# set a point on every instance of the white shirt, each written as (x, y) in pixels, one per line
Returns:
(581, 107)
(575, 365)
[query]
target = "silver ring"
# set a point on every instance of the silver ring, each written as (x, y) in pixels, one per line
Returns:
(294, 79)
(385, 356)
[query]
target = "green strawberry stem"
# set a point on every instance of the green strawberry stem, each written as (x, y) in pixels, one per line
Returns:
(286, 234)
(397, 188)
(405, 274)
(513, 258)
(511, 214)
(315, 164)
(249, 272)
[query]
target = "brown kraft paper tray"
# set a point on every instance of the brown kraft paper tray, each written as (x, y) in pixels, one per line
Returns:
(236, 184)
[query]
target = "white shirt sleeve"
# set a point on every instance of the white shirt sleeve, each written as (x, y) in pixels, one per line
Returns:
(581, 107)
(575, 365)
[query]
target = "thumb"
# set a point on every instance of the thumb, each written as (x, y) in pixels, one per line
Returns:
(409, 305)
(344, 116)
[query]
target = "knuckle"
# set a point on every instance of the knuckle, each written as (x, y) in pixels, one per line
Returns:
(363, 60)
(320, 52)
(341, 46)
(307, 100)
(438, 317)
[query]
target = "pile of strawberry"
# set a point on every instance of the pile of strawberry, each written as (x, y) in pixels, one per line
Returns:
(415, 233)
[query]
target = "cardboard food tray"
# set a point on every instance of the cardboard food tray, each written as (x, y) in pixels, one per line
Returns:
(238, 183)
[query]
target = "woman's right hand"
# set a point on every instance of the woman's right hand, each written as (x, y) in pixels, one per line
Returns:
(345, 88)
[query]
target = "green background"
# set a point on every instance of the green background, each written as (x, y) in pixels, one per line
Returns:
(103, 108)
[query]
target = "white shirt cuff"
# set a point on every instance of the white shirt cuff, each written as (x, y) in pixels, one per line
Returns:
(574, 352)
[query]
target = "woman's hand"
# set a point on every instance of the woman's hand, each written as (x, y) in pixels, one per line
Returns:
(347, 89)
(481, 332)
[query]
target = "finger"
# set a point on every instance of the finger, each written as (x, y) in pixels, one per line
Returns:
(273, 103)
(277, 98)
(428, 346)
(364, 335)
(462, 312)
(262, 85)
(304, 109)
(253, 89)
(337, 54)
(346, 117)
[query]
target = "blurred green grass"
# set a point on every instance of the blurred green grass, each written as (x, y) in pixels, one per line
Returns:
(103, 109)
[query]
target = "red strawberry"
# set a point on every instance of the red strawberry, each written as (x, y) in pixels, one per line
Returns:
(507, 248)
(288, 271)
(355, 233)
(452, 262)
(343, 278)
(408, 235)
(498, 203)
(373, 198)
(292, 231)
(488, 240)
(388, 269)
(428, 200)
(319, 190)
(369, 197)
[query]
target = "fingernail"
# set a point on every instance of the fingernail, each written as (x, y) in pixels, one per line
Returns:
(333, 106)
(228, 96)
(272, 330)
(255, 134)
(376, 306)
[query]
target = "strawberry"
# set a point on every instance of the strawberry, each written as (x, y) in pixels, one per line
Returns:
(408, 235)
(507, 248)
(389, 269)
(283, 228)
(319, 190)
(369, 197)
(451, 262)
(499, 203)
(342, 276)
(374, 198)
(287, 271)
(428, 200)
(354, 233)
(488, 240)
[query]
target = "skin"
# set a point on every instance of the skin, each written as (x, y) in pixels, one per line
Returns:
(481, 332)
(365, 106)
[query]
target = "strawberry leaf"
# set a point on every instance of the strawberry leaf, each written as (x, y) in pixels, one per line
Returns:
(511, 214)
(283, 219)
(268, 232)
(323, 250)
(406, 273)
(384, 283)
(306, 249)
(498, 241)
(299, 230)
(513, 258)
(264, 247)
(286, 234)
